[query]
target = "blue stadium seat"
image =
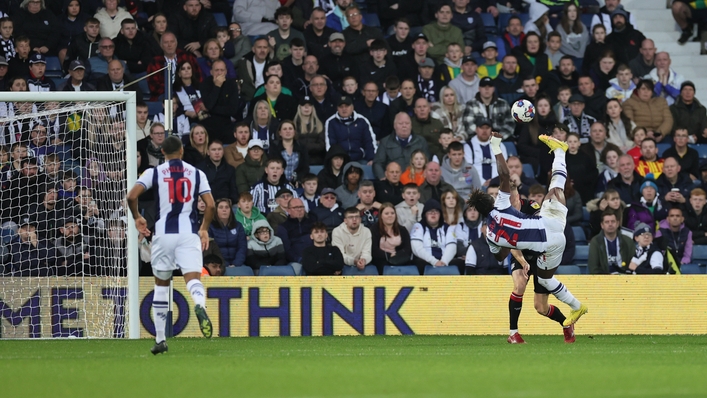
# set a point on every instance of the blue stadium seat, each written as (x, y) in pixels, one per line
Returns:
(579, 237)
(154, 108)
(585, 214)
(368, 173)
(220, 19)
(568, 270)
(701, 150)
(528, 170)
(691, 269)
(587, 21)
(58, 81)
(239, 271)
(511, 148)
(315, 169)
(489, 23)
(503, 22)
(662, 146)
(400, 270)
(524, 18)
(277, 270)
(53, 67)
(449, 270)
(353, 271)
(581, 254)
(699, 254)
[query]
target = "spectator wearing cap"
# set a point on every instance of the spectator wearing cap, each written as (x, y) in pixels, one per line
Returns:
(37, 81)
(648, 258)
(317, 33)
(667, 81)
(4, 67)
(84, 46)
(427, 84)
(486, 104)
(690, 114)
(491, 67)
(39, 25)
(358, 36)
(328, 210)
(624, 40)
(271, 182)
(220, 174)
(337, 64)
(279, 214)
(352, 131)
(481, 157)
(604, 15)
(251, 170)
(408, 65)
(466, 84)
(236, 153)
(578, 121)
(376, 112)
(75, 82)
(379, 66)
(30, 255)
(442, 32)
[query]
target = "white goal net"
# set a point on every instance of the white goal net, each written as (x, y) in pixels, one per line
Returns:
(64, 253)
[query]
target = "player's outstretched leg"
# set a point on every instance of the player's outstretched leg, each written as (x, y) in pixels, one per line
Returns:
(198, 294)
(559, 165)
(557, 289)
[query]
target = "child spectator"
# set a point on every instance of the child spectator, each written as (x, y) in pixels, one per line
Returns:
(322, 259)
(331, 176)
(246, 214)
(562, 107)
(281, 37)
(264, 248)
(648, 258)
(392, 90)
(415, 173)
(68, 185)
(410, 209)
(648, 209)
(676, 236)
(7, 42)
(554, 42)
(213, 266)
(310, 186)
(19, 64)
(491, 66)
(222, 37)
(696, 219)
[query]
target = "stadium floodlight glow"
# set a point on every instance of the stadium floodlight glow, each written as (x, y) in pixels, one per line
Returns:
(95, 137)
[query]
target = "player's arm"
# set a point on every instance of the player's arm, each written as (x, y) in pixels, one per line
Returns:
(504, 174)
(208, 217)
(515, 197)
(132, 199)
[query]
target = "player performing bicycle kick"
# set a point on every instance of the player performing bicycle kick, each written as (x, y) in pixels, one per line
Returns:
(509, 229)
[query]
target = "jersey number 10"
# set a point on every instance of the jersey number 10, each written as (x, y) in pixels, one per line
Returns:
(179, 190)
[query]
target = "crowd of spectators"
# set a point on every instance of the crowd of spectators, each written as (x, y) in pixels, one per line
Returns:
(356, 128)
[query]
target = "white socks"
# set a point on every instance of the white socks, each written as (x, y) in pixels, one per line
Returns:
(198, 294)
(559, 290)
(559, 171)
(159, 311)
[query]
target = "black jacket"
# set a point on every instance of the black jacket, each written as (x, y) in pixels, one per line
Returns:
(403, 253)
(322, 260)
(82, 48)
(332, 218)
(378, 115)
(220, 101)
(337, 67)
(285, 105)
(105, 84)
(626, 44)
(628, 194)
(222, 179)
(136, 54)
(327, 179)
(190, 30)
(318, 45)
(387, 192)
(42, 28)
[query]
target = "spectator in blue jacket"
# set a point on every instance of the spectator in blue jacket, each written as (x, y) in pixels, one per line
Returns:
(228, 234)
(352, 131)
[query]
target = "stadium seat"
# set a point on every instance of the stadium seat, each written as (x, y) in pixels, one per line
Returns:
(145, 88)
(239, 271)
(368, 173)
(511, 148)
(220, 19)
(315, 169)
(353, 271)
(449, 270)
(587, 21)
(662, 146)
(581, 254)
(489, 23)
(53, 67)
(579, 237)
(58, 81)
(568, 270)
(503, 21)
(277, 270)
(528, 170)
(400, 270)
(585, 214)
(701, 150)
(154, 108)
(699, 254)
(691, 269)
(524, 18)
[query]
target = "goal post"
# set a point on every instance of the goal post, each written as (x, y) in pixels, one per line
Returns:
(124, 310)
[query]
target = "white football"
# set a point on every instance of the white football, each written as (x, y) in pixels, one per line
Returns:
(523, 111)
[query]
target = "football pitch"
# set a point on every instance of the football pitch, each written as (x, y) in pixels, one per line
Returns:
(380, 366)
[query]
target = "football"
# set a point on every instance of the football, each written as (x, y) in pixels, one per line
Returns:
(523, 111)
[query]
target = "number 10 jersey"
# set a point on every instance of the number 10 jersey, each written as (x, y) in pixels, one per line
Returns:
(177, 187)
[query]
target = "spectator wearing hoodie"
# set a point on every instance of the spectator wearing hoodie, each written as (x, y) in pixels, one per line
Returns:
(433, 242)
(264, 248)
(332, 176)
(350, 130)
(246, 214)
(457, 172)
(625, 40)
(353, 240)
(347, 192)
(539, 22)
(676, 235)
(228, 234)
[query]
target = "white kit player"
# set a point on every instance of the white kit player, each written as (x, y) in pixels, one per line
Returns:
(510, 229)
(179, 239)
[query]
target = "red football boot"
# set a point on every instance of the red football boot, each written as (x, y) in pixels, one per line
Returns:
(516, 339)
(569, 334)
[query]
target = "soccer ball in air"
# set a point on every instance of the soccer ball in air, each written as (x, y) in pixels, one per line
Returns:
(523, 111)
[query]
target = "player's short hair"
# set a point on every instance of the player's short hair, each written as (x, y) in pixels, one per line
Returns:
(537, 189)
(455, 146)
(310, 177)
(245, 196)
(481, 201)
(318, 226)
(698, 192)
(410, 185)
(171, 145)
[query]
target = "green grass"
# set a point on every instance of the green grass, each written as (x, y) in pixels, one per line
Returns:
(416, 366)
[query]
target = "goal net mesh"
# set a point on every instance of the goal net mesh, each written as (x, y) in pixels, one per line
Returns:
(63, 258)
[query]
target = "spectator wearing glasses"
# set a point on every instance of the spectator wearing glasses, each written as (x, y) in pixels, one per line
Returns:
(264, 248)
